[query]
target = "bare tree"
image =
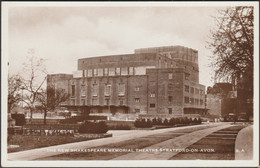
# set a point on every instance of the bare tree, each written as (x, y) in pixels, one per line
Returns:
(50, 99)
(34, 79)
(14, 91)
(232, 44)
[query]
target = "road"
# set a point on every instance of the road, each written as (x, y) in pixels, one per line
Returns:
(192, 142)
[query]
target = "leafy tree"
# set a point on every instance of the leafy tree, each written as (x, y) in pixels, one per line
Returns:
(50, 99)
(14, 91)
(232, 44)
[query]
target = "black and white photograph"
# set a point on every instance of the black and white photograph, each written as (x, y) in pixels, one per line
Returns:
(135, 84)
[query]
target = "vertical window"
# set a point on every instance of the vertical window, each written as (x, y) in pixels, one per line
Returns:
(73, 102)
(170, 98)
(187, 88)
(191, 90)
(100, 72)
(137, 89)
(121, 101)
(170, 110)
(118, 71)
(170, 75)
(187, 76)
(197, 91)
(201, 102)
(186, 100)
(90, 73)
(107, 102)
(105, 71)
(94, 101)
(160, 63)
(191, 100)
(95, 72)
(83, 102)
(202, 92)
(124, 71)
(137, 100)
(152, 94)
(121, 90)
(111, 72)
(73, 90)
(166, 64)
(107, 90)
(94, 90)
(131, 70)
(83, 90)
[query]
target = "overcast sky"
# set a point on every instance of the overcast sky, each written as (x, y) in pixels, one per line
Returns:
(61, 35)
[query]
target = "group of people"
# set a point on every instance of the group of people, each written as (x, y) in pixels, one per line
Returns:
(50, 132)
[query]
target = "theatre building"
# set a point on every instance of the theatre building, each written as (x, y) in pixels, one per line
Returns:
(152, 81)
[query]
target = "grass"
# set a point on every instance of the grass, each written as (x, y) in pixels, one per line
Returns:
(138, 143)
(27, 142)
(224, 149)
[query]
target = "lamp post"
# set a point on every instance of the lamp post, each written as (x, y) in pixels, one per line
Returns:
(22, 97)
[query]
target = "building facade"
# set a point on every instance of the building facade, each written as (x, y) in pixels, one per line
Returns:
(152, 81)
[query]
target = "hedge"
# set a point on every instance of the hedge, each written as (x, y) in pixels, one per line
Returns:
(93, 127)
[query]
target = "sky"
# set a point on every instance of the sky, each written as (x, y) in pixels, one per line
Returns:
(62, 35)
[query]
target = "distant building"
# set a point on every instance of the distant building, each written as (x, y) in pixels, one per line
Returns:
(152, 81)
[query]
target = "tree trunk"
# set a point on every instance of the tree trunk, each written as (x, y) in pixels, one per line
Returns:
(44, 118)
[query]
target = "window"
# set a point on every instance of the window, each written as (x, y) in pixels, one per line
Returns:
(191, 90)
(166, 64)
(201, 102)
(170, 86)
(73, 90)
(107, 90)
(111, 72)
(170, 75)
(94, 90)
(202, 92)
(124, 71)
(160, 63)
(170, 110)
(186, 100)
(118, 71)
(137, 89)
(131, 70)
(105, 71)
(197, 91)
(170, 98)
(191, 100)
(83, 90)
(90, 73)
(94, 101)
(187, 88)
(137, 110)
(121, 90)
(95, 72)
(83, 102)
(107, 102)
(152, 95)
(152, 105)
(197, 101)
(100, 72)
(187, 76)
(137, 100)
(121, 102)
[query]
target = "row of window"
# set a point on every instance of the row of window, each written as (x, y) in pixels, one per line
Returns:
(107, 91)
(193, 90)
(188, 100)
(141, 70)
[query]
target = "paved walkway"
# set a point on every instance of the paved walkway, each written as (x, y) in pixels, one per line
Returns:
(59, 149)
(244, 144)
(180, 142)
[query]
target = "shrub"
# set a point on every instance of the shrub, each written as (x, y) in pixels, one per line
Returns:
(119, 127)
(165, 122)
(93, 127)
(19, 119)
(172, 122)
(143, 123)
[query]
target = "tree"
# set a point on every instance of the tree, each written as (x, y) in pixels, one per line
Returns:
(232, 44)
(50, 99)
(14, 91)
(33, 81)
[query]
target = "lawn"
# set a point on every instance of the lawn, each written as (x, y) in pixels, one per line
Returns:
(27, 142)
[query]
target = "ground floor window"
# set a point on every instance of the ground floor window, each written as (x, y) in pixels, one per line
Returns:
(152, 105)
(170, 110)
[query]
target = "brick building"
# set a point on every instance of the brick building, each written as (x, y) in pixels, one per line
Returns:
(152, 81)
